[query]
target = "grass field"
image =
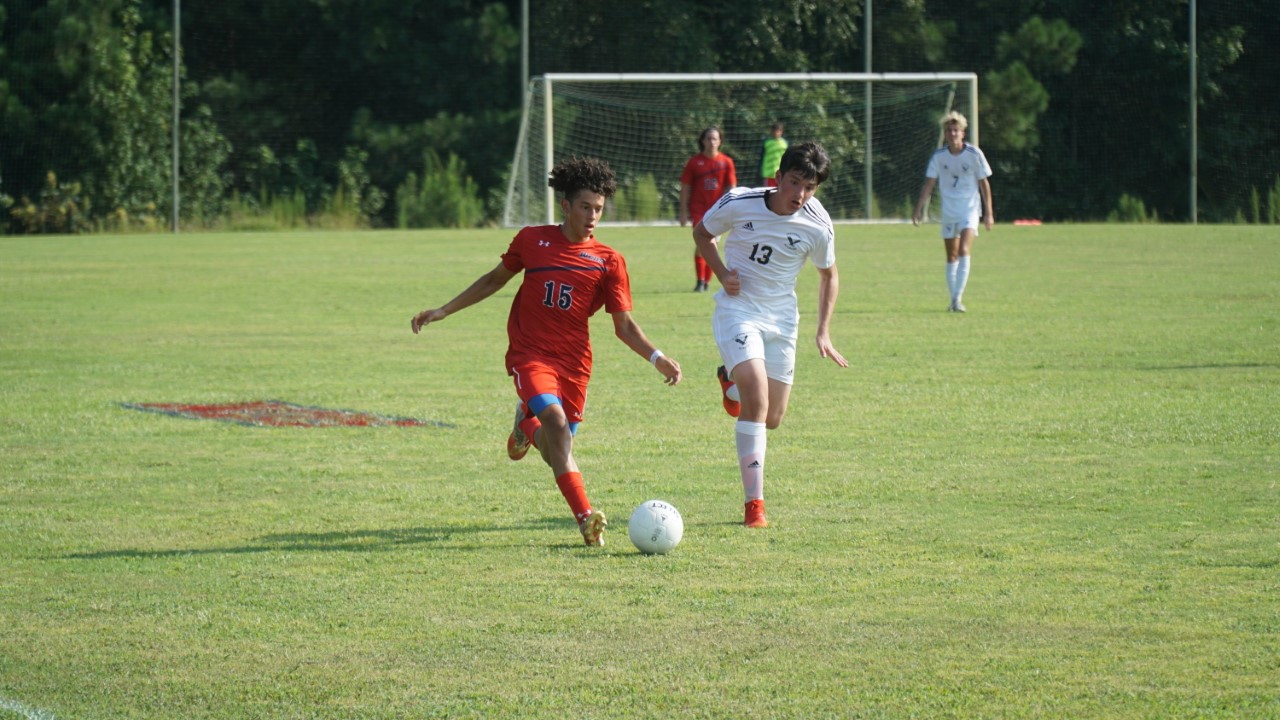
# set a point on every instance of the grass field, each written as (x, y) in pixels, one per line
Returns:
(1062, 504)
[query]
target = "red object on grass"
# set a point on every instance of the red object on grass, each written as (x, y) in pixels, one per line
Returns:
(275, 413)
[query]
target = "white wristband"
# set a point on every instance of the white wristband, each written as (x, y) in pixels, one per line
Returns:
(653, 359)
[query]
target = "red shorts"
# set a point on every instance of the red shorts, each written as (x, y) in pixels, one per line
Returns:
(540, 384)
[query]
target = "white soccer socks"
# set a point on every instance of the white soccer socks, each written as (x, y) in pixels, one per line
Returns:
(750, 438)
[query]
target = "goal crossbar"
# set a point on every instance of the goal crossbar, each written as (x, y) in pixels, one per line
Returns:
(751, 77)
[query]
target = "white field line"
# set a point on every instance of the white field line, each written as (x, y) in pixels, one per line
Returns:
(29, 713)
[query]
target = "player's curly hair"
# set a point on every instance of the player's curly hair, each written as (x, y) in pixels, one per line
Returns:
(583, 173)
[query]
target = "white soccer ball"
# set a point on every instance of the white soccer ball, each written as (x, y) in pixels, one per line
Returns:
(655, 527)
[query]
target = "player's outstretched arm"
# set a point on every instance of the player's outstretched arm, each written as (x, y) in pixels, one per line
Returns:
(629, 332)
(484, 286)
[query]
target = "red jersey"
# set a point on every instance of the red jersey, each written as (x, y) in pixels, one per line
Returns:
(708, 179)
(564, 285)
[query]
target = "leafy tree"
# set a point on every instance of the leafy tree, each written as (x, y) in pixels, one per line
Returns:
(1083, 103)
(1045, 48)
(203, 182)
(301, 80)
(93, 95)
(130, 140)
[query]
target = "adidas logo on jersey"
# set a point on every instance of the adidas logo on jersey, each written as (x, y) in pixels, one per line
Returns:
(748, 226)
(754, 464)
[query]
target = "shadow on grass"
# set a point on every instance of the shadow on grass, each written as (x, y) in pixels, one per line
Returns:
(1212, 366)
(355, 541)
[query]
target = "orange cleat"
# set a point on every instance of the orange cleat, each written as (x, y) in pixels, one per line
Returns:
(517, 443)
(733, 407)
(753, 515)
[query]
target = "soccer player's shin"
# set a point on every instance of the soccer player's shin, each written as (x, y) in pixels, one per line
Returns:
(962, 277)
(575, 493)
(751, 438)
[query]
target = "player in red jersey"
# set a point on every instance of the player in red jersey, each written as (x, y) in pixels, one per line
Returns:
(706, 177)
(568, 276)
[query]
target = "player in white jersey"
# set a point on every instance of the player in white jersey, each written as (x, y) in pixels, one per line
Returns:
(960, 171)
(768, 234)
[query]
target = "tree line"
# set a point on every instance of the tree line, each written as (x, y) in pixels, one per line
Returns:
(403, 113)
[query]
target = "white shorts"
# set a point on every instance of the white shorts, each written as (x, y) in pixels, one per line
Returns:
(954, 228)
(742, 336)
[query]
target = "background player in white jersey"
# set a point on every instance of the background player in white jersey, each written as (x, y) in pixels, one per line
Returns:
(960, 171)
(767, 234)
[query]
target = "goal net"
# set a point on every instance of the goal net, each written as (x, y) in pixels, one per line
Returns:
(878, 128)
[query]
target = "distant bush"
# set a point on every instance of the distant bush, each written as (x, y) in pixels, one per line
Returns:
(1273, 203)
(60, 209)
(445, 196)
(639, 201)
(1130, 209)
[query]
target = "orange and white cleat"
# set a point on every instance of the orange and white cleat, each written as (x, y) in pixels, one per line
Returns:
(753, 514)
(592, 527)
(517, 443)
(731, 406)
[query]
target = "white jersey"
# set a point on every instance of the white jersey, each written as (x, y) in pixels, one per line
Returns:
(958, 177)
(767, 249)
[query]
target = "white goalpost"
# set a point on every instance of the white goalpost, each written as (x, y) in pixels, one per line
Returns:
(879, 129)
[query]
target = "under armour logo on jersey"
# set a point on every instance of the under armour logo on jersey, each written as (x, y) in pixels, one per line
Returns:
(792, 240)
(544, 243)
(748, 226)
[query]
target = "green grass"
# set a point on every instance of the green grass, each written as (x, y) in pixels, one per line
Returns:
(1062, 504)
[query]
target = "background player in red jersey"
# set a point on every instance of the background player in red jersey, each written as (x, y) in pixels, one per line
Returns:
(568, 276)
(706, 177)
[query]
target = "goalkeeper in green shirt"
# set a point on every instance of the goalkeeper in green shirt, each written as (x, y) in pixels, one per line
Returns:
(771, 155)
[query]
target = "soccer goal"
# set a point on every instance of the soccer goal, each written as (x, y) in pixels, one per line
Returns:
(879, 129)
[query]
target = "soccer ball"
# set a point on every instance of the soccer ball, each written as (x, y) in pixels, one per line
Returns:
(655, 527)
